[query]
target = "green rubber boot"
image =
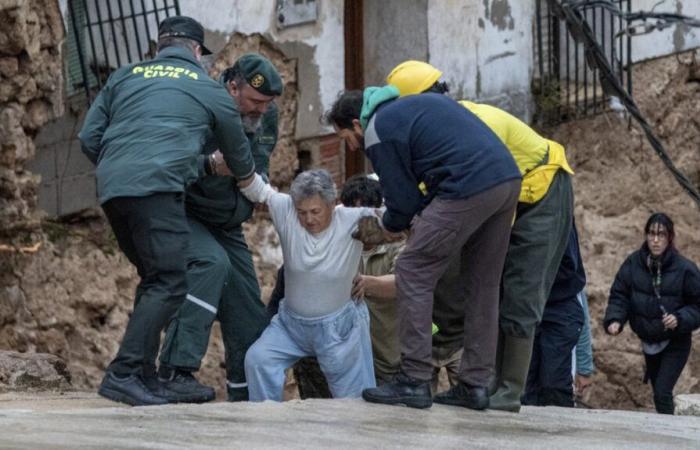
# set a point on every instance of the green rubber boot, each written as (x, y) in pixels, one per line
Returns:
(496, 380)
(512, 375)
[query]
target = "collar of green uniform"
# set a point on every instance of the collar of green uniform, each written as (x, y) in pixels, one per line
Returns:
(180, 53)
(374, 96)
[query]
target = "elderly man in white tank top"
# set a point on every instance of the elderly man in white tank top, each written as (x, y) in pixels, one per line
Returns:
(317, 316)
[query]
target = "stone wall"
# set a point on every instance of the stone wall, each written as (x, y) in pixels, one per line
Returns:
(70, 294)
(31, 82)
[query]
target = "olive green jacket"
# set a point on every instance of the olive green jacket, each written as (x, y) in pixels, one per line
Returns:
(148, 125)
(216, 200)
(383, 313)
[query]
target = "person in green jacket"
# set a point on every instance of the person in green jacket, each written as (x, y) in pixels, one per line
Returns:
(220, 274)
(144, 132)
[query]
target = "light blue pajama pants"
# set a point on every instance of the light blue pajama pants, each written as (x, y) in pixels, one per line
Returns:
(340, 341)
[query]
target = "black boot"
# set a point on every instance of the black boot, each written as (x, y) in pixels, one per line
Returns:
(160, 389)
(664, 404)
(472, 397)
(403, 390)
(129, 389)
(237, 394)
(183, 387)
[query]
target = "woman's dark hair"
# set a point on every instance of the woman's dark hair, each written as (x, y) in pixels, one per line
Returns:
(661, 219)
(347, 107)
(359, 190)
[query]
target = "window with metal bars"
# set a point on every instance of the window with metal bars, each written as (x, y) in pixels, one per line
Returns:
(102, 35)
(564, 86)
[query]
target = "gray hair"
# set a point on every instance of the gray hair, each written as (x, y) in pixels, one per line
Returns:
(313, 182)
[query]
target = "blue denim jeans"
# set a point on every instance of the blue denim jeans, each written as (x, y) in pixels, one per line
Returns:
(340, 341)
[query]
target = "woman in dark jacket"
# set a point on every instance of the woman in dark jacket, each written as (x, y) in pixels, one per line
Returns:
(658, 291)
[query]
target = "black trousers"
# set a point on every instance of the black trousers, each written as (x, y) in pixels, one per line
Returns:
(549, 379)
(152, 232)
(663, 370)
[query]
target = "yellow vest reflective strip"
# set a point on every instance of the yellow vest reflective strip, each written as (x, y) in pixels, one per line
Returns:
(423, 188)
(536, 182)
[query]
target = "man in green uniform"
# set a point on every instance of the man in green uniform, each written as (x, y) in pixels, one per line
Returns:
(144, 132)
(220, 274)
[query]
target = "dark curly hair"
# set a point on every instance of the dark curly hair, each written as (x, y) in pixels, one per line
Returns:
(359, 190)
(346, 108)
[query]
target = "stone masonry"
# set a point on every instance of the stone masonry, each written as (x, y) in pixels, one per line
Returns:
(31, 93)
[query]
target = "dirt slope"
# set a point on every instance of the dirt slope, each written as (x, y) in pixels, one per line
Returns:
(619, 181)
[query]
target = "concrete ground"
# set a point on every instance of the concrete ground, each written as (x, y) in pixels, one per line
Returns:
(83, 420)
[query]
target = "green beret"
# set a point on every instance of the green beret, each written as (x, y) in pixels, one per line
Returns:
(259, 72)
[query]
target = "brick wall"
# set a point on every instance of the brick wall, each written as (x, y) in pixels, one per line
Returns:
(331, 157)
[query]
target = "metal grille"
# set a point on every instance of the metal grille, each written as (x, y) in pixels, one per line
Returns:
(564, 86)
(103, 35)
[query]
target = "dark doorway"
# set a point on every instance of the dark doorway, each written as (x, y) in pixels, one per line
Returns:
(354, 69)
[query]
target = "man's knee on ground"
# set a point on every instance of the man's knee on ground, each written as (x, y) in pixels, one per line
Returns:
(256, 357)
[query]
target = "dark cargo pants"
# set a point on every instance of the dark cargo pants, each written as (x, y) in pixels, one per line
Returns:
(438, 234)
(538, 240)
(549, 379)
(152, 232)
(222, 285)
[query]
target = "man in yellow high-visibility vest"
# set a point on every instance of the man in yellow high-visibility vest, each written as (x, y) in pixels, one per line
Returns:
(539, 234)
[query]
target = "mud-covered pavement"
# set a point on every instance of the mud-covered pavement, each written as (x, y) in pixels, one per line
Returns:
(81, 420)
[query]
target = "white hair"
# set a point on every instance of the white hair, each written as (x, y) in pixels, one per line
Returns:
(313, 182)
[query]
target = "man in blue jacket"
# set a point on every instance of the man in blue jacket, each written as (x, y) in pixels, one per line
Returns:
(449, 178)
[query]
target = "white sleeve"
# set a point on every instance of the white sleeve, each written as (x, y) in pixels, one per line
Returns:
(351, 214)
(363, 212)
(258, 191)
(280, 205)
(281, 208)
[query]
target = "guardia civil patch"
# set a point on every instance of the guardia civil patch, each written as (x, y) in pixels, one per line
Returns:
(257, 81)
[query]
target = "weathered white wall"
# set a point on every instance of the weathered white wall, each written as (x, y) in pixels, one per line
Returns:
(670, 40)
(386, 46)
(319, 47)
(226, 16)
(485, 49)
